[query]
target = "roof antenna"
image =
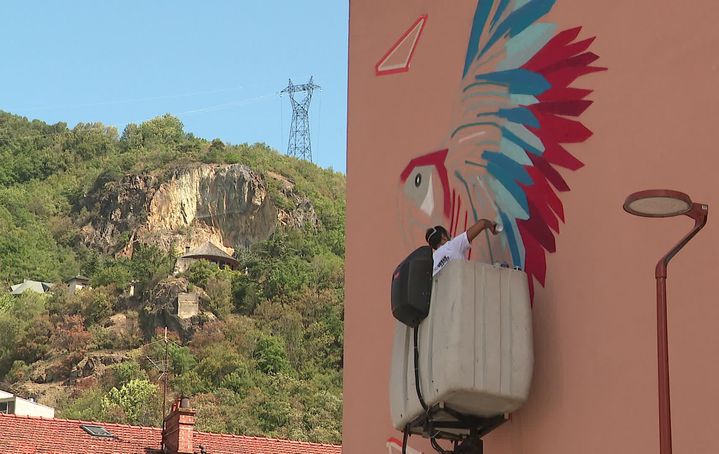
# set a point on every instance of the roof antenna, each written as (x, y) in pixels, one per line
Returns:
(163, 367)
(164, 390)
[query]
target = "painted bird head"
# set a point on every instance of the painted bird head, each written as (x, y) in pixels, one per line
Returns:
(424, 198)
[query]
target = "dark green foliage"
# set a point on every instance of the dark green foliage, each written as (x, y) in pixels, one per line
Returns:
(200, 271)
(180, 359)
(245, 294)
(240, 380)
(24, 328)
(271, 356)
(121, 374)
(147, 266)
(20, 371)
(219, 291)
(33, 344)
(92, 306)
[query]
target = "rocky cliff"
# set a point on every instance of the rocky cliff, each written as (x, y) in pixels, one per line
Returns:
(230, 205)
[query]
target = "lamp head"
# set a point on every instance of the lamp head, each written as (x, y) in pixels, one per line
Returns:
(658, 203)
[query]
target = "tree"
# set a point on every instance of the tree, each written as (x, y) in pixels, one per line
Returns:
(271, 356)
(165, 130)
(97, 304)
(34, 342)
(89, 140)
(200, 271)
(149, 264)
(219, 290)
(245, 294)
(71, 335)
(240, 380)
(135, 400)
(131, 137)
(117, 273)
(220, 361)
(125, 372)
(19, 372)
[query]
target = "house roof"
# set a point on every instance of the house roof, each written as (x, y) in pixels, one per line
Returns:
(27, 434)
(80, 278)
(35, 286)
(211, 252)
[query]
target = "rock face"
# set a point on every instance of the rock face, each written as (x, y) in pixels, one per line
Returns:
(229, 205)
(95, 364)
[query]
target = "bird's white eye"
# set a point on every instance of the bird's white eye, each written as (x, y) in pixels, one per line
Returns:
(418, 180)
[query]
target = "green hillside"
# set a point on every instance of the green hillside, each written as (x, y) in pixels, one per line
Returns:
(267, 360)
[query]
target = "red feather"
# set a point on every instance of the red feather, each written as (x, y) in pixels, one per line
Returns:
(561, 61)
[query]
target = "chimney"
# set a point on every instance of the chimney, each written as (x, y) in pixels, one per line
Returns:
(187, 249)
(179, 425)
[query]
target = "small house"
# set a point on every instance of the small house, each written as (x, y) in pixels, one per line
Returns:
(14, 405)
(207, 251)
(30, 285)
(77, 283)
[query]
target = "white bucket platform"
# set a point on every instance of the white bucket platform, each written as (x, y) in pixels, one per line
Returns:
(475, 347)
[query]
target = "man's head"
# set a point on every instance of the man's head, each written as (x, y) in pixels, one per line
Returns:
(436, 236)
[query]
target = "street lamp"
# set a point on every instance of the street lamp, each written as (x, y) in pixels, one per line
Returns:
(662, 203)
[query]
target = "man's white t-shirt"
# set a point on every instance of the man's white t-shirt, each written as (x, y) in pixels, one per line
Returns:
(454, 249)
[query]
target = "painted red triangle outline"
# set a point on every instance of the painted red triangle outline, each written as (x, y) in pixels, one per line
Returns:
(379, 71)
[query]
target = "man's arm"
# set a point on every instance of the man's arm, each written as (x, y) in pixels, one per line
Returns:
(479, 226)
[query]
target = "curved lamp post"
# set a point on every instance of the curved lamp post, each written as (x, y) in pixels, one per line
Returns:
(662, 203)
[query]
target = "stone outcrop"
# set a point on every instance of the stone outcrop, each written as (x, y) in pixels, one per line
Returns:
(160, 307)
(95, 363)
(229, 205)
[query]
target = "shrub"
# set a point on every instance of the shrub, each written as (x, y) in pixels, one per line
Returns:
(19, 372)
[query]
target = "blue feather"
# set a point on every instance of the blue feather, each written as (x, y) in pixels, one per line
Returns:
(520, 115)
(514, 152)
(519, 20)
(509, 135)
(505, 199)
(514, 170)
(508, 173)
(518, 81)
(500, 9)
(521, 48)
(466, 187)
(511, 239)
(480, 19)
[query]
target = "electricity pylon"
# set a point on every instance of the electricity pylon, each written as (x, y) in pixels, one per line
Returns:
(299, 144)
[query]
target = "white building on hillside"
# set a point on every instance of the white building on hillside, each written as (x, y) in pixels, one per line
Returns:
(14, 405)
(33, 286)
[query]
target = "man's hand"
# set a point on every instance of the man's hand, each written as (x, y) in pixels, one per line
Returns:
(480, 225)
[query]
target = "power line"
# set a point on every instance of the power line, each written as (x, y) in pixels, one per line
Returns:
(319, 120)
(282, 120)
(228, 105)
(131, 100)
(211, 108)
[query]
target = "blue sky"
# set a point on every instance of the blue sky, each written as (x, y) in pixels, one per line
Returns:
(217, 65)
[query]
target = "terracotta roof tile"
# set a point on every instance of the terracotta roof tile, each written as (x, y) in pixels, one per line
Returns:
(33, 435)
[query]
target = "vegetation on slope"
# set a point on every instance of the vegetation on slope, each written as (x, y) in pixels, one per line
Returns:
(269, 359)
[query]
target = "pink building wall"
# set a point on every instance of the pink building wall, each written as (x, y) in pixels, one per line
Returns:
(654, 119)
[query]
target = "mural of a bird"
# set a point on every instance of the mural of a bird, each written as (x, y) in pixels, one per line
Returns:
(516, 109)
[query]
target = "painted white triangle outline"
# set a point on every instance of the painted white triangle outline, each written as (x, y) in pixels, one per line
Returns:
(413, 32)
